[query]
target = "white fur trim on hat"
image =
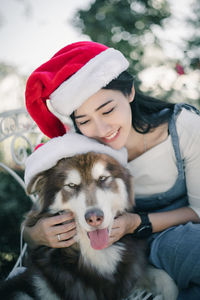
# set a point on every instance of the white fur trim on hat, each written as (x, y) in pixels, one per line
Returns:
(68, 145)
(88, 80)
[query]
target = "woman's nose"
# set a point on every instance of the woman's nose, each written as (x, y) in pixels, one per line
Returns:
(102, 128)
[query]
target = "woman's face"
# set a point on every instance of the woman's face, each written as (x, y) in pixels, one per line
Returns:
(106, 116)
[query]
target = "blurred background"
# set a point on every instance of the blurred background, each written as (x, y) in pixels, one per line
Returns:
(160, 38)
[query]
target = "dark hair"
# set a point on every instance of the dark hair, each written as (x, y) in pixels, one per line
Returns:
(147, 112)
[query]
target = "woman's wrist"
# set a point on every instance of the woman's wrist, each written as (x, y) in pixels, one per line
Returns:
(27, 235)
(134, 221)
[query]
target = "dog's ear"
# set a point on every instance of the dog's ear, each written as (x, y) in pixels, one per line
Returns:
(36, 184)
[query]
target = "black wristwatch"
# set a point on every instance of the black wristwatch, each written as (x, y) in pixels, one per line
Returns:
(144, 230)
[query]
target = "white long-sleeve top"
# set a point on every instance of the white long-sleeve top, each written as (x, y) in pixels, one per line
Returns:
(155, 171)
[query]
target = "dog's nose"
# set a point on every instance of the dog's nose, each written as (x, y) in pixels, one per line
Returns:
(94, 217)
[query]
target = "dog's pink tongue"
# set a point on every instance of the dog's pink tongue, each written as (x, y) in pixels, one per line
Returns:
(98, 238)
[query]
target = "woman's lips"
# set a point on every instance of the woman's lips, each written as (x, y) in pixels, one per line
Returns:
(112, 137)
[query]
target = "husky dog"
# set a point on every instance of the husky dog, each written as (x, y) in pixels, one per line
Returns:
(96, 188)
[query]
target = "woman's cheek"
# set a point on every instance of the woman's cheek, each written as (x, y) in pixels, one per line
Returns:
(87, 131)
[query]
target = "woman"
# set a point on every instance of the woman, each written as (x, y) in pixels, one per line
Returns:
(89, 82)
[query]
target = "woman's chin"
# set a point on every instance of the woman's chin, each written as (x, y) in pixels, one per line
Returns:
(116, 145)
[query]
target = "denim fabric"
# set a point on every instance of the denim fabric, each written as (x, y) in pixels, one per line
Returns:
(177, 249)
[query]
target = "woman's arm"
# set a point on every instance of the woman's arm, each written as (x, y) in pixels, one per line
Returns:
(188, 129)
(127, 223)
(46, 230)
(163, 220)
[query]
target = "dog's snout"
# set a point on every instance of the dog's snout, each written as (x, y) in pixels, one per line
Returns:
(94, 217)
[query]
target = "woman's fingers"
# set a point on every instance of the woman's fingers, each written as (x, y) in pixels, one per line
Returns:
(63, 228)
(118, 229)
(62, 240)
(59, 219)
(64, 244)
(65, 236)
(62, 235)
(49, 228)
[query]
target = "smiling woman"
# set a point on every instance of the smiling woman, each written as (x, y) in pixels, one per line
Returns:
(89, 82)
(106, 116)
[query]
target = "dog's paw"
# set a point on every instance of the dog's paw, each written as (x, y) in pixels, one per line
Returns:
(162, 283)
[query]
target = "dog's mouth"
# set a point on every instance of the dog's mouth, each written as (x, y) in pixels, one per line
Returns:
(98, 238)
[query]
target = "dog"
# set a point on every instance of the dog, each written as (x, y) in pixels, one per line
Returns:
(97, 189)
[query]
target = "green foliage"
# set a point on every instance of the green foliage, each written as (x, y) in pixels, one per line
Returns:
(13, 205)
(193, 40)
(125, 25)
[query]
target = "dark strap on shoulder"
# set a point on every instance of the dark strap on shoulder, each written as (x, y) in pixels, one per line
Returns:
(178, 107)
(173, 132)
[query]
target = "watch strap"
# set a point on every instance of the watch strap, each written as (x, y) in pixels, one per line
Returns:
(144, 230)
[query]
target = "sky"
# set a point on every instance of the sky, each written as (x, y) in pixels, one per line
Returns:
(31, 31)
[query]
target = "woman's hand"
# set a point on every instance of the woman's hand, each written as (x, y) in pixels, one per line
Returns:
(55, 232)
(122, 225)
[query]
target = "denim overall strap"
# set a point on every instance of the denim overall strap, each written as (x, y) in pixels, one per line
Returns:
(174, 135)
(175, 140)
(176, 196)
(188, 107)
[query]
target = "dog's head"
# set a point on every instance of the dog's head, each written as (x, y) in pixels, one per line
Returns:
(95, 187)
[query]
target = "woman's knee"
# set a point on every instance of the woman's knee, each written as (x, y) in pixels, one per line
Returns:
(177, 252)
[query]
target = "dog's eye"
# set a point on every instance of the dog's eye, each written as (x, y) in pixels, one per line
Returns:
(71, 185)
(103, 178)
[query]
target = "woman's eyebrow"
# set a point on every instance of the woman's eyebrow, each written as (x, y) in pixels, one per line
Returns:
(102, 105)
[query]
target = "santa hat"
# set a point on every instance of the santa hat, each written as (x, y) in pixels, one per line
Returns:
(69, 78)
(68, 145)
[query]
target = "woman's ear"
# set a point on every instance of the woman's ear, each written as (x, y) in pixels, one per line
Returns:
(132, 94)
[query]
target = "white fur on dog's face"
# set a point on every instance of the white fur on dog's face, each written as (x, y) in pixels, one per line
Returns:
(111, 197)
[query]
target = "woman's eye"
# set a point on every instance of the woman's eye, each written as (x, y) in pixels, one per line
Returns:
(109, 111)
(83, 123)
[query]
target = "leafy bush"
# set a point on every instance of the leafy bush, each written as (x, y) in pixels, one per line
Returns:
(14, 203)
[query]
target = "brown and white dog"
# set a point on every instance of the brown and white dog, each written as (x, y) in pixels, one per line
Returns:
(97, 189)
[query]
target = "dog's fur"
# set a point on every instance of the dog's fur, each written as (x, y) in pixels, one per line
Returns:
(89, 185)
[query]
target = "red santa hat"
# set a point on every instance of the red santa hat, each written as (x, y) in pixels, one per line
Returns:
(68, 79)
(68, 145)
